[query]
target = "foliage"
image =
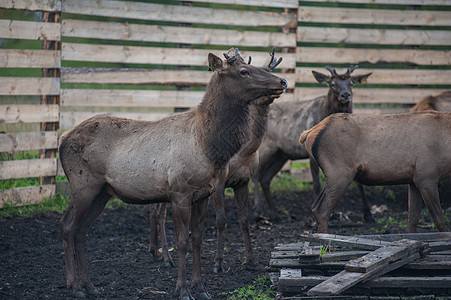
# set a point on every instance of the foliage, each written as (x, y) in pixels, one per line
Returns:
(260, 291)
(57, 203)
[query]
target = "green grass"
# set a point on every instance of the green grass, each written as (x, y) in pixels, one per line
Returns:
(259, 291)
(57, 203)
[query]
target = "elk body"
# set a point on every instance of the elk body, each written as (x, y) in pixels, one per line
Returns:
(412, 148)
(286, 119)
(179, 159)
(441, 102)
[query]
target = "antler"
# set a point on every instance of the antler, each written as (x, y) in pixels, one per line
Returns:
(230, 59)
(351, 69)
(332, 70)
(273, 63)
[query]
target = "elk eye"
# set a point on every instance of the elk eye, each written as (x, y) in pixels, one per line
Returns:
(244, 72)
(332, 84)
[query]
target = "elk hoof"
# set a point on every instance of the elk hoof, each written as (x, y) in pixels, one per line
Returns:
(79, 294)
(218, 270)
(169, 264)
(205, 296)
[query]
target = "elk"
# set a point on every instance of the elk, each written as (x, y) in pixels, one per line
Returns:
(241, 167)
(284, 122)
(411, 148)
(441, 102)
(179, 159)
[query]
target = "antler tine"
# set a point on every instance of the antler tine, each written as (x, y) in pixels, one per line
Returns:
(351, 69)
(230, 59)
(249, 61)
(273, 63)
(332, 70)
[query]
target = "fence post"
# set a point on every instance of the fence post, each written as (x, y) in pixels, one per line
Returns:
(50, 72)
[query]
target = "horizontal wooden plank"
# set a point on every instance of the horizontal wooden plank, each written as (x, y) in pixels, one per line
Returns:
(424, 237)
(374, 56)
(264, 3)
(33, 5)
(12, 58)
(376, 95)
(11, 29)
(385, 76)
(28, 113)
(344, 241)
(373, 16)
(29, 86)
(15, 169)
(156, 55)
(175, 13)
(173, 34)
(399, 2)
(373, 36)
(28, 141)
(70, 119)
(133, 76)
(26, 195)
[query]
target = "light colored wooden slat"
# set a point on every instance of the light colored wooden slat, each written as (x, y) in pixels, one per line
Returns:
(376, 95)
(386, 76)
(11, 29)
(355, 56)
(130, 98)
(42, 5)
(373, 36)
(12, 58)
(400, 2)
(268, 3)
(26, 195)
(174, 13)
(70, 119)
(173, 34)
(374, 16)
(29, 86)
(155, 55)
(29, 113)
(14, 169)
(28, 141)
(130, 76)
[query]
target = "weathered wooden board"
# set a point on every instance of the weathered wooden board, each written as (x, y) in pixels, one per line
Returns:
(173, 34)
(372, 95)
(342, 255)
(431, 262)
(156, 55)
(372, 36)
(28, 141)
(29, 86)
(33, 5)
(387, 76)
(331, 55)
(424, 237)
(373, 16)
(400, 2)
(15, 169)
(12, 58)
(174, 13)
(26, 195)
(29, 113)
(268, 3)
(12, 29)
(344, 241)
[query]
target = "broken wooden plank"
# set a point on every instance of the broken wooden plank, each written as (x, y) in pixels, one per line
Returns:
(431, 262)
(382, 256)
(424, 237)
(344, 241)
(342, 255)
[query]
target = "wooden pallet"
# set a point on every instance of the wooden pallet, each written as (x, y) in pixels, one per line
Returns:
(332, 266)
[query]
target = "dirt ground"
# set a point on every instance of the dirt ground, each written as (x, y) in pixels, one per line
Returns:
(32, 259)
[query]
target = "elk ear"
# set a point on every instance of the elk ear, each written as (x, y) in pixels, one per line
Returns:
(321, 78)
(360, 78)
(214, 62)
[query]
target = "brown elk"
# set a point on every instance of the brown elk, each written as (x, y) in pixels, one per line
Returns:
(285, 121)
(412, 148)
(241, 168)
(441, 102)
(179, 159)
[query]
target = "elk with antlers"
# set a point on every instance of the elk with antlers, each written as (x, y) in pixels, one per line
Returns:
(179, 159)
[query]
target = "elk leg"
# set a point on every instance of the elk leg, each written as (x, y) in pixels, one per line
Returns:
(161, 217)
(415, 205)
(68, 233)
(241, 204)
(314, 169)
(429, 192)
(153, 243)
(219, 199)
(365, 206)
(181, 212)
(198, 214)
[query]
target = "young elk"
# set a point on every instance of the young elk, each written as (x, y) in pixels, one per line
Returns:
(412, 148)
(284, 122)
(441, 102)
(179, 159)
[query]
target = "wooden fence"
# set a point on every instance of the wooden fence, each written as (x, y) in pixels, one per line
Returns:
(64, 61)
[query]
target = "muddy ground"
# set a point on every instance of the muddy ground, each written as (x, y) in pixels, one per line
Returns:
(32, 259)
